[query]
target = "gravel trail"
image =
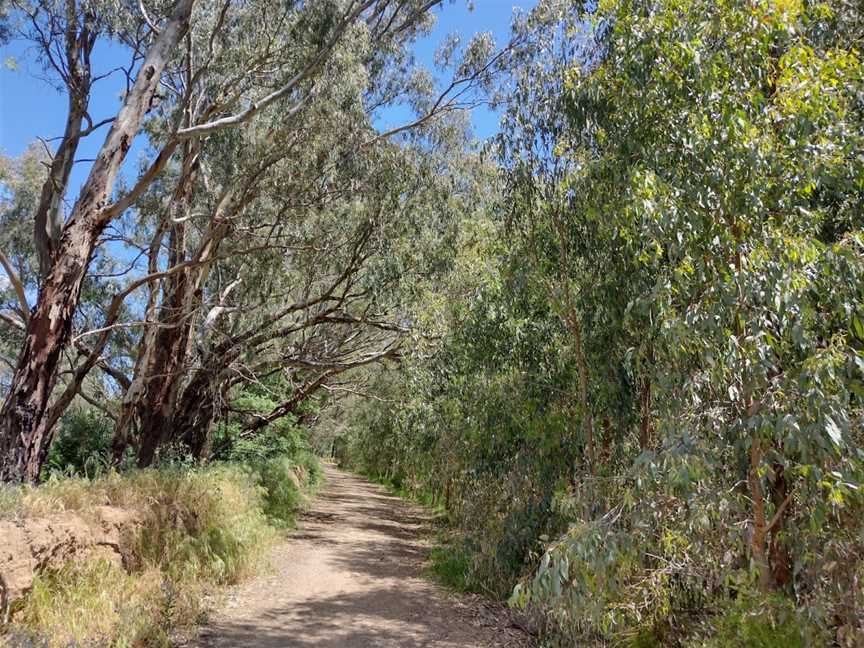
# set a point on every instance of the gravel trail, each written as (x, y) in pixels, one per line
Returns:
(351, 576)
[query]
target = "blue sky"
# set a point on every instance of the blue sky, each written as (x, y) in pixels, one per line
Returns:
(31, 108)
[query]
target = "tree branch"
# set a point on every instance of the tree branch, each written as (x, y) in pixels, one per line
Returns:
(15, 280)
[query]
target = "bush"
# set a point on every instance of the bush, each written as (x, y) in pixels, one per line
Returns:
(312, 465)
(82, 445)
(764, 622)
(451, 565)
(284, 482)
(282, 437)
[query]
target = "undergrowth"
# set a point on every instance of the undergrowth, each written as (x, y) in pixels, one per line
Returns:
(450, 564)
(201, 528)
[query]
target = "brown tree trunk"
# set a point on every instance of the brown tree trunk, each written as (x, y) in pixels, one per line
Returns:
(166, 360)
(24, 437)
(606, 440)
(645, 423)
(197, 410)
(183, 299)
(778, 551)
(137, 387)
(23, 440)
(163, 377)
(760, 531)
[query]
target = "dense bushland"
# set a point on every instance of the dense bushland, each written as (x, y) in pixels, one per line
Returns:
(644, 406)
(200, 528)
(622, 345)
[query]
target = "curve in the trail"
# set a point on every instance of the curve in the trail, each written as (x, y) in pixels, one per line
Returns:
(351, 577)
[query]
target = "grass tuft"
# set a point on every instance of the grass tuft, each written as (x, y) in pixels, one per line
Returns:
(82, 604)
(451, 566)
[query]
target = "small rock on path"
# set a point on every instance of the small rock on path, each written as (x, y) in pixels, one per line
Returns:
(351, 576)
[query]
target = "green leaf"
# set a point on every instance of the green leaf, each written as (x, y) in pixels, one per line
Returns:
(858, 327)
(833, 431)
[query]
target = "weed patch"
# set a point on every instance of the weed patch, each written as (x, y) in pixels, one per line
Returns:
(451, 565)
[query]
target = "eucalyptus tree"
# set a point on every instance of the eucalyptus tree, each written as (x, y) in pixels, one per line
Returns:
(257, 313)
(683, 202)
(22, 181)
(271, 178)
(321, 298)
(238, 62)
(23, 436)
(713, 153)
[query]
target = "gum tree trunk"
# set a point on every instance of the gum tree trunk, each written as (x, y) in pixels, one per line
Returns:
(24, 435)
(166, 359)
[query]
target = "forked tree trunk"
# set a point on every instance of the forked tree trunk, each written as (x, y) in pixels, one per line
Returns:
(197, 410)
(156, 413)
(166, 360)
(137, 387)
(24, 437)
(167, 368)
(48, 218)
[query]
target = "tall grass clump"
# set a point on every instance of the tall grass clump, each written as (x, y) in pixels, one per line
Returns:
(97, 601)
(10, 501)
(285, 483)
(200, 528)
(203, 523)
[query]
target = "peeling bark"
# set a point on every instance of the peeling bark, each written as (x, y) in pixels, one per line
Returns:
(24, 437)
(166, 356)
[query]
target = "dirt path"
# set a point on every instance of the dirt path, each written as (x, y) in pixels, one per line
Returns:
(351, 576)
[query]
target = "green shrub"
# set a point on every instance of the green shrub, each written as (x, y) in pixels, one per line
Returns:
(312, 465)
(764, 622)
(285, 481)
(282, 437)
(273, 441)
(82, 445)
(451, 565)
(280, 482)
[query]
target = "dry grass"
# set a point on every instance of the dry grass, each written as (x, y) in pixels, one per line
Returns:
(203, 528)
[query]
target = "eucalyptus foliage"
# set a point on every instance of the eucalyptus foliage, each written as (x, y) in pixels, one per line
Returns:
(648, 415)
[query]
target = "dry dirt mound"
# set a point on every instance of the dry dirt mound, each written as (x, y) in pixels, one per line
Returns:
(31, 545)
(352, 576)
